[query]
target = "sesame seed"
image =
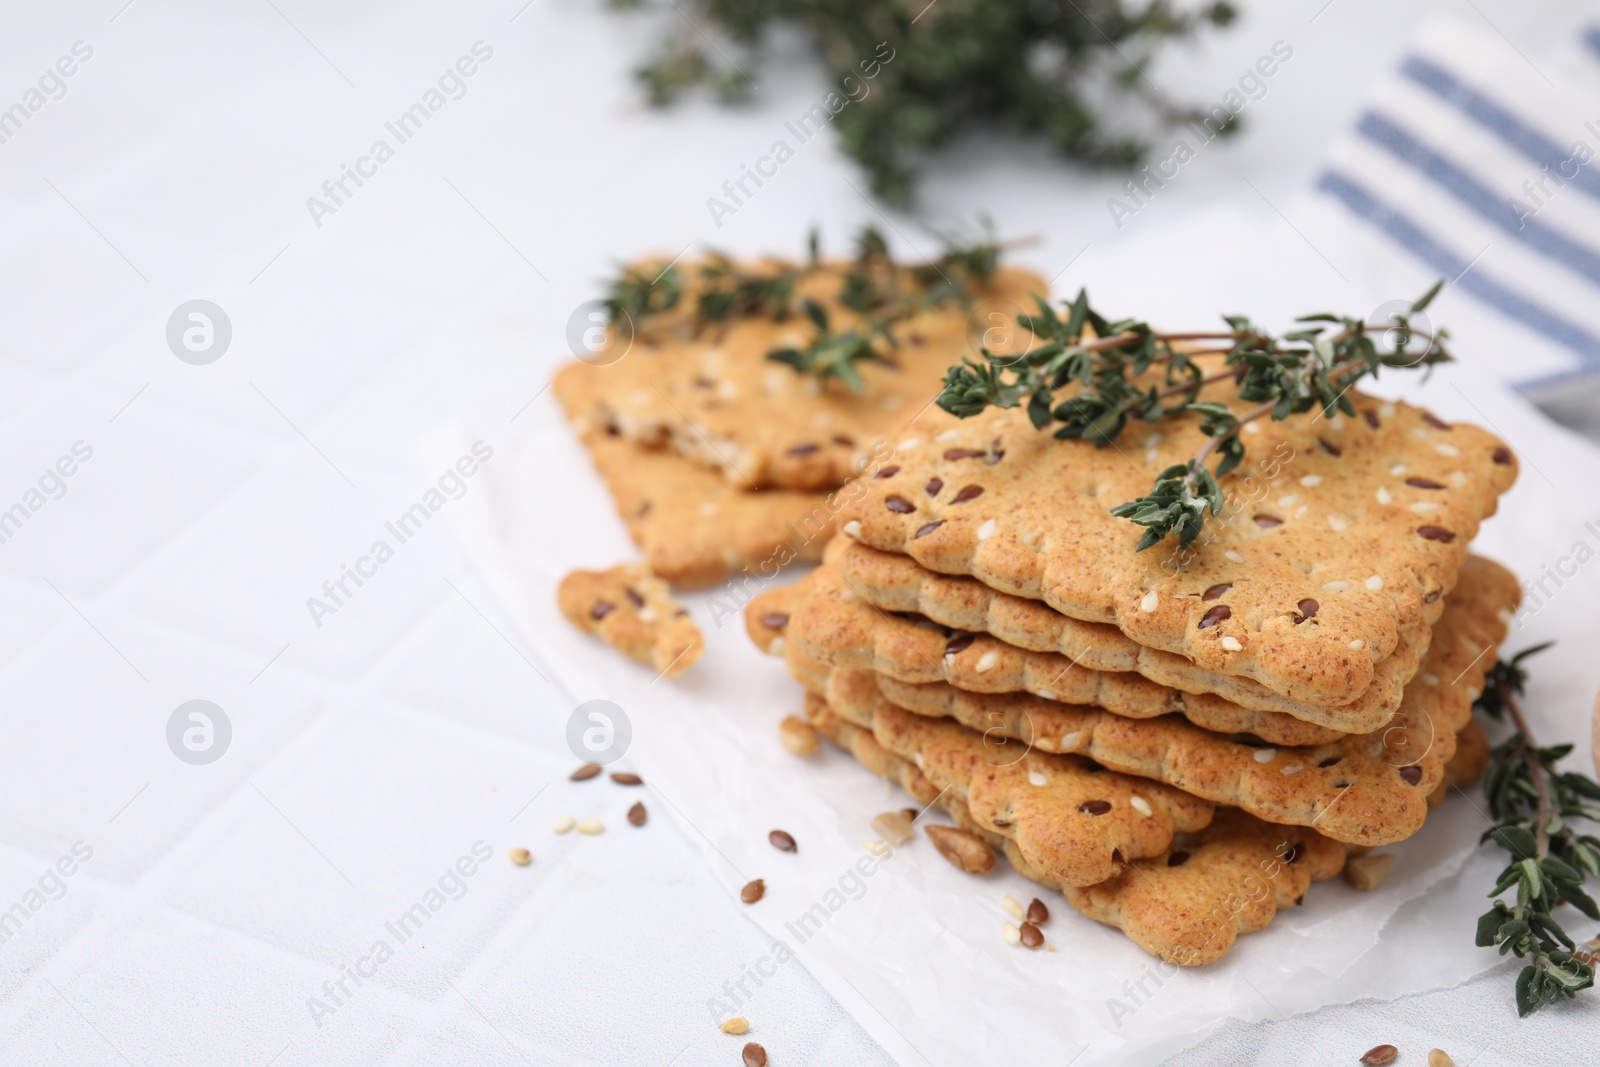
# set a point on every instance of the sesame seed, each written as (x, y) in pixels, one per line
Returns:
(777, 646)
(1384, 496)
(1357, 645)
(1232, 644)
(892, 402)
(1424, 506)
(736, 1025)
(987, 661)
(987, 530)
(1386, 410)
(1150, 454)
(1337, 586)
(910, 442)
(1338, 522)
(1311, 481)
(1142, 806)
(1398, 469)
(520, 856)
(949, 435)
(1233, 557)
(1337, 422)
(708, 507)
(852, 528)
(1447, 450)
(1375, 582)
(1013, 907)
(591, 827)
(1300, 512)
(1429, 678)
(563, 824)
(1252, 427)
(1035, 778)
(1289, 500)
(1265, 755)
(1012, 934)
(1291, 770)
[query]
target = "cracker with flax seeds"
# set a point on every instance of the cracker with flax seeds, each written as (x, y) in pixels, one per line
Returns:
(1185, 905)
(832, 623)
(631, 610)
(713, 396)
(1315, 579)
(694, 528)
(1364, 789)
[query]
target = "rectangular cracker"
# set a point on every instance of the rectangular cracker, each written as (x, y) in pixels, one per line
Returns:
(897, 583)
(694, 528)
(1188, 905)
(830, 623)
(717, 399)
(1337, 511)
(834, 622)
(1366, 790)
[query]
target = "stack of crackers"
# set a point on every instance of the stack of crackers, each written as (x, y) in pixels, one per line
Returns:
(1179, 741)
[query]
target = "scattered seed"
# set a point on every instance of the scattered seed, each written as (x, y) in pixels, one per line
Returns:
(736, 1025)
(1231, 643)
(1440, 1058)
(1011, 933)
(591, 827)
(893, 826)
(910, 814)
(1036, 778)
(753, 891)
(1411, 775)
(637, 815)
(1380, 1055)
(563, 824)
(627, 778)
(1213, 616)
(1013, 907)
(1030, 936)
(1142, 806)
(1095, 807)
(584, 773)
(963, 848)
(754, 1055)
(783, 841)
(1038, 914)
(1265, 755)
(1367, 872)
(520, 856)
(798, 736)
(1151, 601)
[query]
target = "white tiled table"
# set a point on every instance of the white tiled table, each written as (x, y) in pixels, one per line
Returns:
(371, 753)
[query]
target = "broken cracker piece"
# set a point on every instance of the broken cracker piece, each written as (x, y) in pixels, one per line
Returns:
(631, 610)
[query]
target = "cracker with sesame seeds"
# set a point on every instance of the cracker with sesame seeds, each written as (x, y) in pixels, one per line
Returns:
(1184, 905)
(1366, 789)
(1074, 821)
(832, 621)
(1339, 536)
(693, 528)
(630, 609)
(717, 399)
(896, 583)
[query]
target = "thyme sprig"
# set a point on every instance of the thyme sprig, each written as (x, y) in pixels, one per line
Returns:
(907, 77)
(1533, 806)
(873, 285)
(1110, 362)
(831, 355)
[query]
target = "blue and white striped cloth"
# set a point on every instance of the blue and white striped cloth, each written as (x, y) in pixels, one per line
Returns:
(1483, 162)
